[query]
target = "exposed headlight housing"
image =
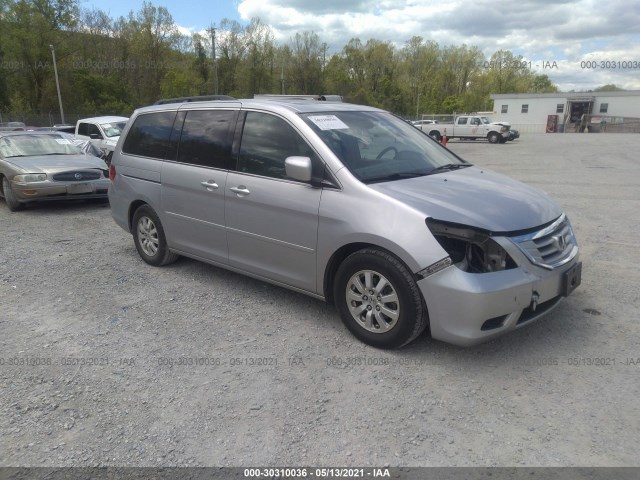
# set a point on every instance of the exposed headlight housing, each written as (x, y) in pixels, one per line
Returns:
(30, 178)
(470, 249)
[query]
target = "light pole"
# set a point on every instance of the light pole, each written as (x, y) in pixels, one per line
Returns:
(55, 70)
(418, 106)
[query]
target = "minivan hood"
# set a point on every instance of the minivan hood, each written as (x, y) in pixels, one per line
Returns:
(475, 197)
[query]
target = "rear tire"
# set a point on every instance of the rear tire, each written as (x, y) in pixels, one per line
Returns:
(149, 238)
(435, 135)
(379, 300)
(12, 201)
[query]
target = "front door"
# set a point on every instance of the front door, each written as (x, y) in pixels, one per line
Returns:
(272, 221)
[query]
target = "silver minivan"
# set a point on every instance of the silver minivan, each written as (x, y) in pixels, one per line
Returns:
(349, 204)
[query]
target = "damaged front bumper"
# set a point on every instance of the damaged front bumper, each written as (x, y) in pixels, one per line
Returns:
(469, 308)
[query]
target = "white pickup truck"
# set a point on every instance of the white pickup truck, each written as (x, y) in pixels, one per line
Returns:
(103, 132)
(471, 127)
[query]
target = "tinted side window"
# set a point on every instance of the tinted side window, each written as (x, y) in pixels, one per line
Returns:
(83, 129)
(150, 135)
(266, 142)
(462, 121)
(206, 138)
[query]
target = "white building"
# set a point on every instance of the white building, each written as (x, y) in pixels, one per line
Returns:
(535, 112)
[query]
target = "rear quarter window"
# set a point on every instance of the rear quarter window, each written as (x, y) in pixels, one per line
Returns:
(150, 136)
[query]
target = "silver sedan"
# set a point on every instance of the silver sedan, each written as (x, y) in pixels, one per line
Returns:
(43, 166)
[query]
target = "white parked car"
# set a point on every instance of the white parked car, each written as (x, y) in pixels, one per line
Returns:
(419, 123)
(103, 132)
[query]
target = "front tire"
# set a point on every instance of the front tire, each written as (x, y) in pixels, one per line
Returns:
(12, 201)
(149, 238)
(379, 300)
(493, 137)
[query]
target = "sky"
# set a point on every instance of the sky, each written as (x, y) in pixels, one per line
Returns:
(579, 44)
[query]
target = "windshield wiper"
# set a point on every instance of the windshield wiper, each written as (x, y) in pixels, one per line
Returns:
(449, 167)
(395, 176)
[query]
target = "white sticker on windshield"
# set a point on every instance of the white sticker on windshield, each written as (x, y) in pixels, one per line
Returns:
(63, 141)
(328, 122)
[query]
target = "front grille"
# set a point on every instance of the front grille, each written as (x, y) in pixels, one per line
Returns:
(551, 246)
(79, 176)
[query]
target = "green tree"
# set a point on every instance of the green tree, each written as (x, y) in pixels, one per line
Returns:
(231, 50)
(201, 62)
(29, 27)
(255, 74)
(509, 73)
(610, 87)
(452, 104)
(306, 63)
(419, 63)
(337, 79)
(152, 36)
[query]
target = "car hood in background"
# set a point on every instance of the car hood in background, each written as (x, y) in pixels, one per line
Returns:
(56, 163)
(475, 197)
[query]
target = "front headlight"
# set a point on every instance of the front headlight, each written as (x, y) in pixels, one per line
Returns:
(470, 249)
(30, 178)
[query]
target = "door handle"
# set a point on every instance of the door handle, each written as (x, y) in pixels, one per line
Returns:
(210, 184)
(241, 190)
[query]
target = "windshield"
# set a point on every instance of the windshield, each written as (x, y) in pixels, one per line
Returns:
(113, 129)
(377, 146)
(31, 145)
(485, 120)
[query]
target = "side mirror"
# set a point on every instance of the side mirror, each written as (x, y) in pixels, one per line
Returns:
(298, 168)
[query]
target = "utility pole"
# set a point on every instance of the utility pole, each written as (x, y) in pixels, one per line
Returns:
(212, 32)
(55, 70)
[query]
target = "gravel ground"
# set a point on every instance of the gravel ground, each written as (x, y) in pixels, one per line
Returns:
(107, 361)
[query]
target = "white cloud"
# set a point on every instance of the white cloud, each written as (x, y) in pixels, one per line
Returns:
(553, 30)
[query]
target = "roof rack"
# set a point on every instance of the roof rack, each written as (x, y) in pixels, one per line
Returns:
(321, 98)
(198, 98)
